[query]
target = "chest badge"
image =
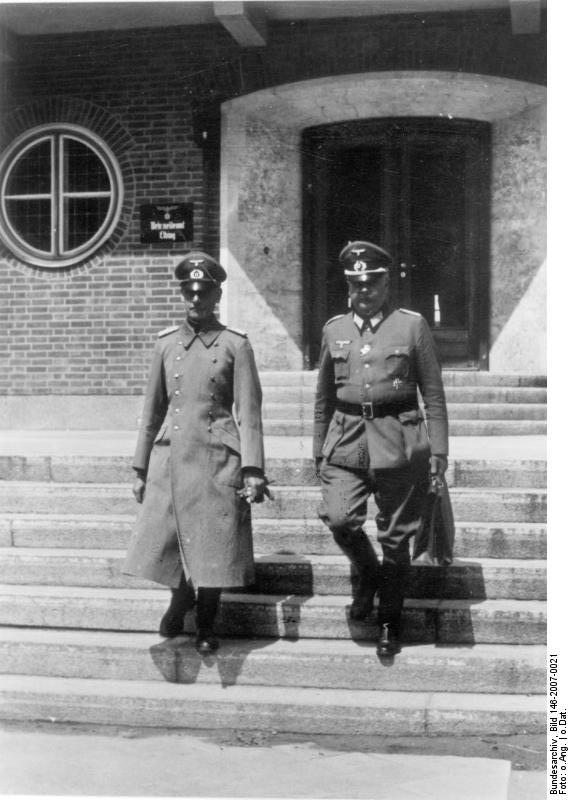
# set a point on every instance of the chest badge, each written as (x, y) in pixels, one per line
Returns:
(397, 383)
(365, 349)
(342, 342)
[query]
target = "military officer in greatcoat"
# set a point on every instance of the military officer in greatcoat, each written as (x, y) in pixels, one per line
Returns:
(198, 467)
(370, 436)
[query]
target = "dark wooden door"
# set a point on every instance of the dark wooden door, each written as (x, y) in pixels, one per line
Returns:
(419, 188)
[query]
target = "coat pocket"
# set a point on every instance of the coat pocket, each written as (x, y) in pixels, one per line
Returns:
(335, 433)
(415, 438)
(229, 438)
(225, 458)
(341, 359)
(163, 435)
(398, 361)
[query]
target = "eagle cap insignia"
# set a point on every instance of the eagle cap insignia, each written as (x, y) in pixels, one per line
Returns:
(397, 383)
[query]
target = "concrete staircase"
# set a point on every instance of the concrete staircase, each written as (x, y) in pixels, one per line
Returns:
(479, 403)
(78, 640)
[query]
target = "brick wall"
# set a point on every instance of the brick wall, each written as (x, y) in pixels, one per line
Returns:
(89, 329)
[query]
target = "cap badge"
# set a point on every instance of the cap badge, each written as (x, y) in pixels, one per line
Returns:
(397, 383)
(196, 274)
(360, 266)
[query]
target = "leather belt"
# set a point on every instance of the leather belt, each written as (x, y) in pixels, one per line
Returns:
(373, 410)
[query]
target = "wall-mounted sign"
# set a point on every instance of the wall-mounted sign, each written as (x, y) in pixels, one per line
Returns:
(166, 223)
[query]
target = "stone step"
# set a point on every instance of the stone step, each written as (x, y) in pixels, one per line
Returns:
(268, 616)
(462, 472)
(457, 427)
(299, 412)
(290, 502)
(475, 427)
(482, 505)
(122, 412)
(299, 394)
(520, 473)
(450, 378)
(482, 540)
(495, 394)
(476, 578)
(286, 574)
(473, 540)
(320, 664)
(284, 709)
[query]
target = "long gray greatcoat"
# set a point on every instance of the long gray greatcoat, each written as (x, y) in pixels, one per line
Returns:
(193, 447)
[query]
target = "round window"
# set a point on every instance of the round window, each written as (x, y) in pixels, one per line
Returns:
(61, 194)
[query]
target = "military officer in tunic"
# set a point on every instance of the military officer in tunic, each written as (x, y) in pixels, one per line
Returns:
(198, 467)
(370, 436)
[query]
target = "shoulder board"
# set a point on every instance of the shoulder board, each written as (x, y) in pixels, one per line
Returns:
(338, 316)
(237, 331)
(166, 331)
(407, 311)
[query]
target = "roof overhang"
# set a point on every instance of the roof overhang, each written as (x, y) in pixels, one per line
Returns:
(245, 21)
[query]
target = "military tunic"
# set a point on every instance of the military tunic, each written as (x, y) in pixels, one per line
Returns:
(194, 448)
(382, 367)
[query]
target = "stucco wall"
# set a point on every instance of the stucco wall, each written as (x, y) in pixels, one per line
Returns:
(260, 244)
(261, 199)
(521, 344)
(518, 243)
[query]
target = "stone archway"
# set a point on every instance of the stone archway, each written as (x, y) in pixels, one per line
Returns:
(261, 201)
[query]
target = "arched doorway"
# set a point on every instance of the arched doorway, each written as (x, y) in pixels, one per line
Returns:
(420, 188)
(262, 242)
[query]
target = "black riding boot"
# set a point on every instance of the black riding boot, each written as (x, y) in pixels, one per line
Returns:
(391, 595)
(208, 602)
(360, 551)
(183, 599)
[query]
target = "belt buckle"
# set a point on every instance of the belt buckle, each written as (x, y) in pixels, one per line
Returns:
(367, 410)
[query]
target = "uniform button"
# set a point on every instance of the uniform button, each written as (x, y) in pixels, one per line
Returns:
(177, 392)
(214, 360)
(367, 386)
(178, 358)
(177, 410)
(176, 427)
(212, 396)
(397, 352)
(179, 342)
(209, 428)
(366, 366)
(210, 413)
(177, 375)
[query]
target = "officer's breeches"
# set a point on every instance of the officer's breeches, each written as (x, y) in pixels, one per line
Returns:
(400, 496)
